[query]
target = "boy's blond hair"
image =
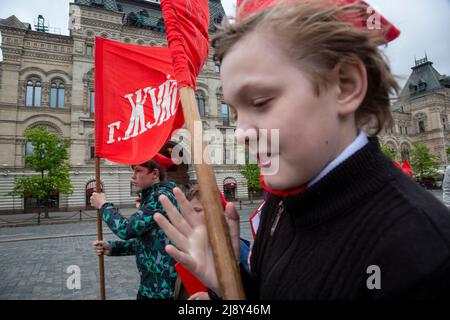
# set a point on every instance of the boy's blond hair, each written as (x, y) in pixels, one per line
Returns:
(319, 37)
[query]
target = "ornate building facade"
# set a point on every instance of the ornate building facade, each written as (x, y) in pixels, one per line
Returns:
(48, 79)
(421, 113)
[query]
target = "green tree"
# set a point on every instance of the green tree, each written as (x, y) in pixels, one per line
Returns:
(423, 162)
(387, 151)
(48, 158)
(250, 172)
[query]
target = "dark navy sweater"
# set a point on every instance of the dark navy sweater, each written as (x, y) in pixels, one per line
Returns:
(364, 225)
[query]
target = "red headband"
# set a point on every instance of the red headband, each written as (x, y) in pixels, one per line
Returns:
(163, 161)
(252, 6)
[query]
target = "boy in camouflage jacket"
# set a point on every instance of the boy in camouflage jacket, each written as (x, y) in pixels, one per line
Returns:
(142, 236)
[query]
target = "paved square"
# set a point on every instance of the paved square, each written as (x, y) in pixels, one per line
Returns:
(37, 268)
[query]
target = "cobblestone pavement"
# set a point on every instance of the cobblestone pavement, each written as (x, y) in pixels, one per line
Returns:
(34, 262)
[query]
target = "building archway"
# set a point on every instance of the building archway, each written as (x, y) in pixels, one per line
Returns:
(405, 150)
(229, 188)
(392, 146)
(89, 190)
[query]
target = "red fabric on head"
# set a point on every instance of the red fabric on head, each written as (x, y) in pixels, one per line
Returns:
(163, 161)
(248, 7)
(187, 24)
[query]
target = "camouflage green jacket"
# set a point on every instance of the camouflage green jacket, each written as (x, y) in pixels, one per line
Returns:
(146, 240)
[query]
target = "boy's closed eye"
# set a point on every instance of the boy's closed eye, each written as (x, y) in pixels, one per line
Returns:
(259, 103)
(198, 209)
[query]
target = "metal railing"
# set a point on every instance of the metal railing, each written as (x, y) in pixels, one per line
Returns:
(37, 219)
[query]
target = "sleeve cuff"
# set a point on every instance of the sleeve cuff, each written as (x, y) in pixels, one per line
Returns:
(106, 204)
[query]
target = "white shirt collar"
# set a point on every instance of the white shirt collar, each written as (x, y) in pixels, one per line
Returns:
(360, 141)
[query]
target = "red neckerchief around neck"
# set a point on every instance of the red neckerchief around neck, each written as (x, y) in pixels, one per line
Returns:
(281, 193)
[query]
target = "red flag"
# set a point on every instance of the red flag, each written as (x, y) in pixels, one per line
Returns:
(136, 101)
(247, 7)
(407, 168)
(187, 23)
(190, 282)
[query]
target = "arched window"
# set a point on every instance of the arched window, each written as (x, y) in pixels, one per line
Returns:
(225, 111)
(91, 147)
(61, 94)
(29, 149)
(421, 117)
(37, 93)
(421, 126)
(131, 19)
(29, 94)
(92, 101)
(33, 93)
(229, 188)
(89, 50)
(57, 94)
(422, 85)
(412, 89)
(200, 103)
(405, 149)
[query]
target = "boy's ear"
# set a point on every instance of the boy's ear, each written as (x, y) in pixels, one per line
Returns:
(155, 172)
(352, 87)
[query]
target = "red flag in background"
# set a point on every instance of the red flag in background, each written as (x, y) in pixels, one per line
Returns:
(407, 168)
(136, 101)
(187, 23)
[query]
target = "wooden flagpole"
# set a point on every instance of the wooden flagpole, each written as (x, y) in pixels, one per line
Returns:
(218, 233)
(101, 260)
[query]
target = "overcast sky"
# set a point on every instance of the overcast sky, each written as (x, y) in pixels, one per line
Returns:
(425, 26)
